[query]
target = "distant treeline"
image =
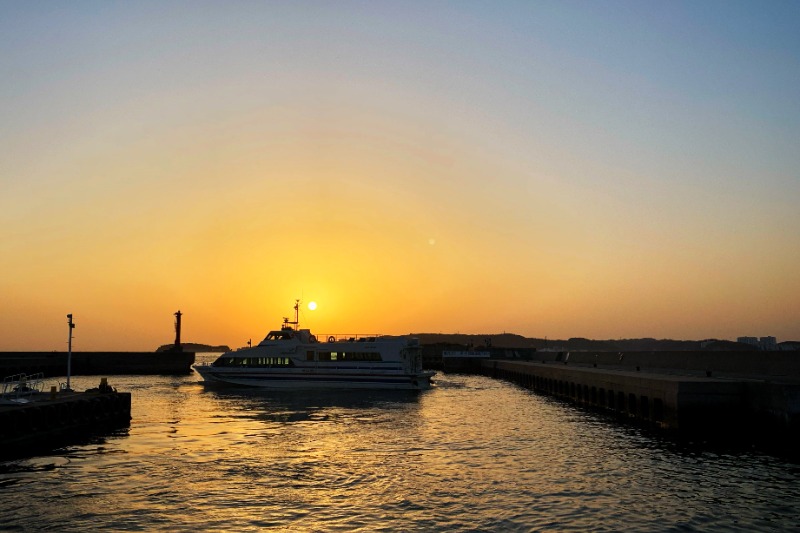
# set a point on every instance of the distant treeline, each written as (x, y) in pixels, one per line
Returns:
(510, 340)
(194, 347)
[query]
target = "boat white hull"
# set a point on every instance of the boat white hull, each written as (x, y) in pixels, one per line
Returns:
(314, 380)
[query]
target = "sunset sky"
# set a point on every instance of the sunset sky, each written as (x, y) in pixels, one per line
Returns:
(609, 169)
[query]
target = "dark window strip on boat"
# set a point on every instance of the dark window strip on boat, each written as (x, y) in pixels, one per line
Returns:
(255, 362)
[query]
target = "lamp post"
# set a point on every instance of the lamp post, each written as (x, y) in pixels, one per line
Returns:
(69, 352)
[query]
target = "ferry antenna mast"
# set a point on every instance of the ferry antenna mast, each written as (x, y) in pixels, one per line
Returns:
(296, 315)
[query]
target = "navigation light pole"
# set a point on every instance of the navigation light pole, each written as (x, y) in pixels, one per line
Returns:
(69, 352)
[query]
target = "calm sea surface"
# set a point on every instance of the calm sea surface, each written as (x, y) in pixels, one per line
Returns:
(472, 454)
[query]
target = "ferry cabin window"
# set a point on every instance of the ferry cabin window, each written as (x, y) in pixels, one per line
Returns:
(279, 335)
(361, 356)
(310, 355)
(349, 356)
(258, 362)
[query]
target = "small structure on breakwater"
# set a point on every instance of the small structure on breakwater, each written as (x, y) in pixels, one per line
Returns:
(463, 360)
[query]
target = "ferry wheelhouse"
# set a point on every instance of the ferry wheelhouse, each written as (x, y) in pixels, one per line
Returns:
(293, 358)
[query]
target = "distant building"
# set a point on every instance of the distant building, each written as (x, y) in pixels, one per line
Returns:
(752, 341)
(768, 343)
(764, 343)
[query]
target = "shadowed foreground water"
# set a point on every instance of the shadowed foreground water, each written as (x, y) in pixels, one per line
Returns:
(472, 454)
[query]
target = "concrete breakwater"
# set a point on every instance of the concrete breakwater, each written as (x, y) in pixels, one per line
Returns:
(665, 400)
(96, 363)
(773, 365)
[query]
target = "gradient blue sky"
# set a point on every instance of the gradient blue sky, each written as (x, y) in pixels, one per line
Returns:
(598, 169)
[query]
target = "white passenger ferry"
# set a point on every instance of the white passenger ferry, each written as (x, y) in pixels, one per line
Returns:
(293, 358)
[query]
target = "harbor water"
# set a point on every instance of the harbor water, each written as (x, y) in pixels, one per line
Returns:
(471, 454)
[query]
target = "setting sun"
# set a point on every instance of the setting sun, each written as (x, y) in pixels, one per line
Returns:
(312, 305)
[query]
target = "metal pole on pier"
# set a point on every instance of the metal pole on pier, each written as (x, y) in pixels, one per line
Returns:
(69, 352)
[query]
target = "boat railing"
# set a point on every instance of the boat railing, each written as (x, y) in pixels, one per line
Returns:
(350, 337)
(342, 337)
(22, 385)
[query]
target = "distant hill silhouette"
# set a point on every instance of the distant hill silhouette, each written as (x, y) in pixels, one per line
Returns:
(194, 347)
(510, 340)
